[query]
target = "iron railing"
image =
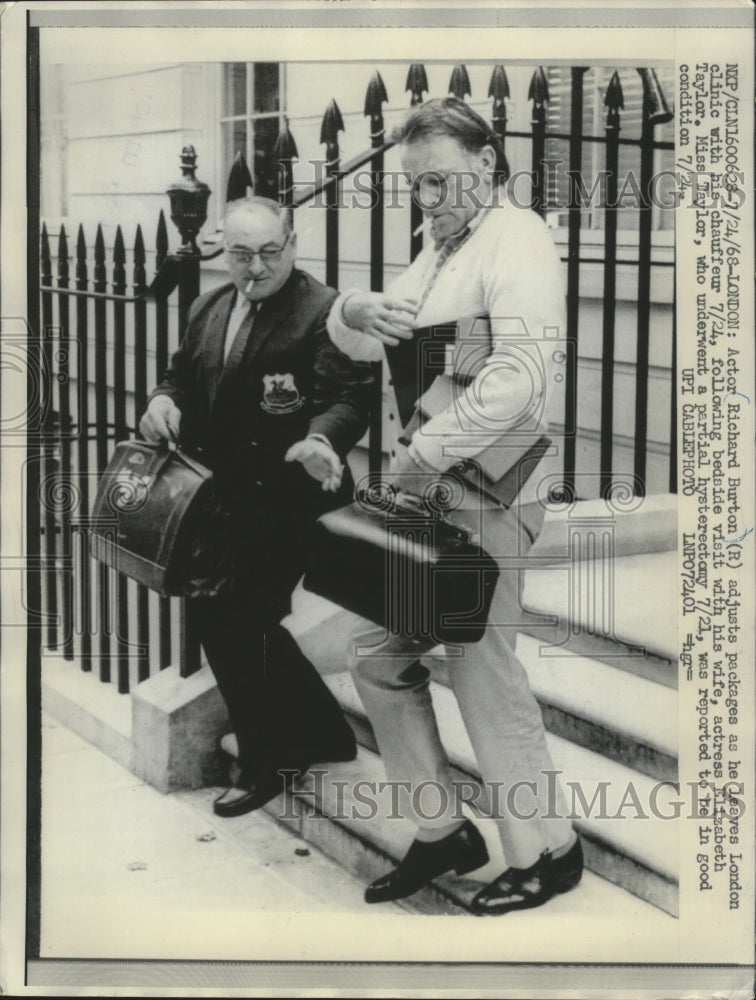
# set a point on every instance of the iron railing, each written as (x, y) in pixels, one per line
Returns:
(100, 392)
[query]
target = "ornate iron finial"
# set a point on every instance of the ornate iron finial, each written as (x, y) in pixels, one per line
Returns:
(375, 95)
(417, 83)
(285, 148)
(459, 82)
(239, 179)
(329, 130)
(188, 202)
(655, 107)
(498, 89)
(614, 100)
(538, 92)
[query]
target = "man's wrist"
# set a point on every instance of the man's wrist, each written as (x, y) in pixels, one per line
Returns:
(317, 436)
(346, 296)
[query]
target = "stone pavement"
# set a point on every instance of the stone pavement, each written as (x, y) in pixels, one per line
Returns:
(128, 872)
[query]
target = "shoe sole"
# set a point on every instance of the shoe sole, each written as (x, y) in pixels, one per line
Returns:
(460, 870)
(530, 904)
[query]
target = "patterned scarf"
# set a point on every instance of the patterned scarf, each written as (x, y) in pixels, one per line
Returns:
(445, 248)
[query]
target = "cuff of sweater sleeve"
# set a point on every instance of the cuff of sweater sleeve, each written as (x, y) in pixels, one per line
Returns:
(428, 453)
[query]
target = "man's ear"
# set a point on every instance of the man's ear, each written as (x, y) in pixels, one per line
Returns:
(487, 157)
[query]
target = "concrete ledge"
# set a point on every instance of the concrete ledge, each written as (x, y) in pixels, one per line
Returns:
(90, 708)
(177, 723)
(641, 525)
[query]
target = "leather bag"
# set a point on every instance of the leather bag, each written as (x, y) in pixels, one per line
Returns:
(395, 559)
(156, 520)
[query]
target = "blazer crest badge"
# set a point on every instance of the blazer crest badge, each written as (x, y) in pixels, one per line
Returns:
(280, 394)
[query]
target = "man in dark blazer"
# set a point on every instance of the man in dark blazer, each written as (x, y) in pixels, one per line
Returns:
(258, 393)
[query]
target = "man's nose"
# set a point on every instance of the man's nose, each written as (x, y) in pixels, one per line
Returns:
(256, 266)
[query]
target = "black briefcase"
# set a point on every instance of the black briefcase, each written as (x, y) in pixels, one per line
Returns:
(400, 563)
(156, 519)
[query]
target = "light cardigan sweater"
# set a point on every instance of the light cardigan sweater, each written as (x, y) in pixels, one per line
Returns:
(508, 269)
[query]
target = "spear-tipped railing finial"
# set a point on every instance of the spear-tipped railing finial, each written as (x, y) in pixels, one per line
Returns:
(330, 127)
(375, 96)
(417, 83)
(614, 100)
(538, 93)
(239, 179)
(459, 82)
(498, 89)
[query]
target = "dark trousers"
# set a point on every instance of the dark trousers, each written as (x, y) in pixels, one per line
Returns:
(282, 712)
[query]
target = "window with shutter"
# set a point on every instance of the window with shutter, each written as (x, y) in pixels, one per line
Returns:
(253, 104)
(595, 83)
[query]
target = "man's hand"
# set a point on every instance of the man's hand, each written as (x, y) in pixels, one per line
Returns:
(161, 420)
(384, 317)
(320, 461)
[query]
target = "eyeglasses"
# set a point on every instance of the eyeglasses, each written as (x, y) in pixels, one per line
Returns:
(268, 256)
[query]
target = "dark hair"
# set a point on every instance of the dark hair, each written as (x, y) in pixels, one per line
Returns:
(455, 118)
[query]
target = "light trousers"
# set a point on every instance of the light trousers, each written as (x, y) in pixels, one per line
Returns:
(500, 713)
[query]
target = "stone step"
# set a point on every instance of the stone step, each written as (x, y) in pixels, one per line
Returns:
(641, 856)
(616, 714)
(330, 809)
(632, 600)
(560, 633)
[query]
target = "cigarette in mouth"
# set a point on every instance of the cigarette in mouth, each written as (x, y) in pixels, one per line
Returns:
(250, 286)
(419, 229)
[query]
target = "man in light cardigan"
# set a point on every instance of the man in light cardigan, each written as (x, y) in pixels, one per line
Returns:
(486, 256)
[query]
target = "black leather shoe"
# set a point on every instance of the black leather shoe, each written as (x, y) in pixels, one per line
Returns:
(246, 797)
(464, 851)
(523, 888)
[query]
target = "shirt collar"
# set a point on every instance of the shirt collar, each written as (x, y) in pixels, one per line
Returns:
(456, 239)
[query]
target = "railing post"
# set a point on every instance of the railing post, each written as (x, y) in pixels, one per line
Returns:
(417, 84)
(498, 89)
(49, 464)
(82, 453)
(67, 488)
(374, 98)
(538, 93)
(140, 404)
(655, 112)
(104, 574)
(573, 277)
(329, 134)
(188, 212)
(613, 101)
(119, 420)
